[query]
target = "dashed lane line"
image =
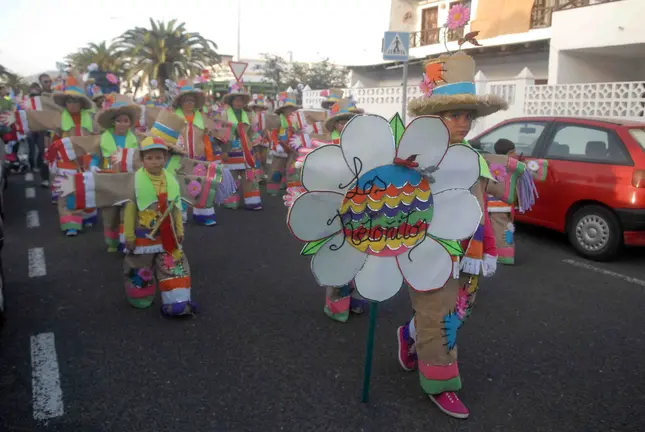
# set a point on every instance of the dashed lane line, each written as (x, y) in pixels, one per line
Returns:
(37, 265)
(47, 395)
(30, 192)
(33, 219)
(626, 278)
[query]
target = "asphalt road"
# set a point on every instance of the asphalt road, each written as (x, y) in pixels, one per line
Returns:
(551, 346)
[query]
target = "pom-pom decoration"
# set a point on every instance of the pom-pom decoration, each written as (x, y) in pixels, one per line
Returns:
(112, 79)
(93, 67)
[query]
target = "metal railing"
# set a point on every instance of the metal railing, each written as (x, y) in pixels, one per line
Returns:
(541, 15)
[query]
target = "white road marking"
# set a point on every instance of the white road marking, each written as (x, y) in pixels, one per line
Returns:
(605, 272)
(30, 192)
(33, 220)
(45, 378)
(37, 266)
(29, 177)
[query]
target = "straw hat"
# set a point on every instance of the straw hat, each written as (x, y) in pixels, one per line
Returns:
(452, 88)
(286, 100)
(258, 101)
(115, 105)
(167, 127)
(344, 109)
(237, 89)
(332, 95)
(186, 88)
(74, 88)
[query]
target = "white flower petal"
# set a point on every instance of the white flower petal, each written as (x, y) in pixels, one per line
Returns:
(459, 169)
(337, 262)
(367, 143)
(313, 215)
(325, 170)
(427, 137)
(427, 267)
(456, 214)
(379, 279)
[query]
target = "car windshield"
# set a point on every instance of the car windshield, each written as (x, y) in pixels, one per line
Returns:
(639, 136)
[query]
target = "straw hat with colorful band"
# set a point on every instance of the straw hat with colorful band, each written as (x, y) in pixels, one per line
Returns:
(152, 143)
(258, 101)
(168, 127)
(450, 86)
(115, 105)
(237, 89)
(287, 100)
(73, 88)
(95, 92)
(186, 88)
(332, 95)
(342, 110)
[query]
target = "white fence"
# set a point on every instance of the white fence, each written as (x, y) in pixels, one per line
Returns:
(622, 100)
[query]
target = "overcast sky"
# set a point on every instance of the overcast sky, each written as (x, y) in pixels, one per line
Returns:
(38, 33)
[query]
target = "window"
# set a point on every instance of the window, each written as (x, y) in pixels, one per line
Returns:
(586, 144)
(639, 136)
(429, 26)
(524, 135)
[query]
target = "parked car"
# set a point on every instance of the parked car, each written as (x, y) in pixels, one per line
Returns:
(594, 190)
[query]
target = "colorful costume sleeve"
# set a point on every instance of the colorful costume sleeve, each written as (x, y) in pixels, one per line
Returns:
(490, 245)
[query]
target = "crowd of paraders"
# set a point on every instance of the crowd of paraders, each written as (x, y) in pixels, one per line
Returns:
(149, 168)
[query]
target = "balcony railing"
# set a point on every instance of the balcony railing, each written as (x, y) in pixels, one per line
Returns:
(425, 37)
(541, 15)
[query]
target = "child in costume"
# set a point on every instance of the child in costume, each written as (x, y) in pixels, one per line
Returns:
(238, 149)
(154, 233)
(429, 340)
(117, 119)
(258, 106)
(76, 120)
(188, 104)
(283, 156)
(502, 215)
(332, 96)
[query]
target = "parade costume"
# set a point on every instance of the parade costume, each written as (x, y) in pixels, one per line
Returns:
(110, 142)
(157, 258)
(282, 164)
(80, 124)
(237, 150)
(258, 106)
(516, 191)
(195, 139)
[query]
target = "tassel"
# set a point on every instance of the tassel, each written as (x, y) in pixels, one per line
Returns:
(226, 187)
(526, 191)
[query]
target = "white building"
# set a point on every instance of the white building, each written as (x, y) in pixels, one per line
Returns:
(559, 41)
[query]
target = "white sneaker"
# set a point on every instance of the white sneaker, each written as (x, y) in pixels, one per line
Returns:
(44, 183)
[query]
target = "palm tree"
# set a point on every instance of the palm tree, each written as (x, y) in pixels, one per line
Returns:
(166, 51)
(105, 56)
(14, 81)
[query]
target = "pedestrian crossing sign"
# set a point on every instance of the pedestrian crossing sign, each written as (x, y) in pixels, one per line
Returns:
(396, 46)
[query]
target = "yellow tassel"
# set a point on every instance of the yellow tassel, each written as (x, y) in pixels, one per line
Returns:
(177, 254)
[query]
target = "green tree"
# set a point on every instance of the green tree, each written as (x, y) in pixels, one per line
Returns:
(106, 57)
(14, 81)
(165, 51)
(274, 70)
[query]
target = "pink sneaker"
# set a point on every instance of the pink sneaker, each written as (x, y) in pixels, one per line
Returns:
(407, 355)
(449, 403)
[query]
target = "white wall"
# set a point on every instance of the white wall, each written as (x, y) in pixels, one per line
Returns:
(599, 27)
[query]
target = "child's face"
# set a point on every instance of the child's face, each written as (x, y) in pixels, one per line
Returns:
(340, 124)
(512, 153)
(73, 105)
(154, 161)
(121, 124)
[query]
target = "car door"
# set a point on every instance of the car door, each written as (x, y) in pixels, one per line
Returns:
(582, 165)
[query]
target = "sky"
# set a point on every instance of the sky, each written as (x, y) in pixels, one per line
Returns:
(347, 32)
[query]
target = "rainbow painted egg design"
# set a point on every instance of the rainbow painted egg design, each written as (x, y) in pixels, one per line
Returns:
(387, 211)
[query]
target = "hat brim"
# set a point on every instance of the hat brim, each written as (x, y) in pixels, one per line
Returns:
(326, 104)
(106, 117)
(60, 99)
(482, 106)
(331, 121)
(200, 99)
(229, 97)
(263, 107)
(170, 146)
(284, 107)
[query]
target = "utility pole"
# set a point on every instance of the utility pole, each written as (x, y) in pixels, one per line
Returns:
(239, 24)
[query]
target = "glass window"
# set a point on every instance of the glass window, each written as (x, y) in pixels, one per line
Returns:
(639, 136)
(524, 135)
(585, 144)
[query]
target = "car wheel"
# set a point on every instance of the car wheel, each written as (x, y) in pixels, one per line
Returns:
(595, 232)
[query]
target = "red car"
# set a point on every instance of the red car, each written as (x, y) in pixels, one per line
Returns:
(594, 189)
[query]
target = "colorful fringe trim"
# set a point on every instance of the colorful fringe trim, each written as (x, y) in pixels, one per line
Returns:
(472, 261)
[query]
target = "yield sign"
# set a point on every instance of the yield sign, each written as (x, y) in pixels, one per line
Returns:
(238, 69)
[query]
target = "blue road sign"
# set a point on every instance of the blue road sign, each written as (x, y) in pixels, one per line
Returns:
(396, 46)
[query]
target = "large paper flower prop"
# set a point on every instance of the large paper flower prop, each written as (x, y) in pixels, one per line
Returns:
(381, 214)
